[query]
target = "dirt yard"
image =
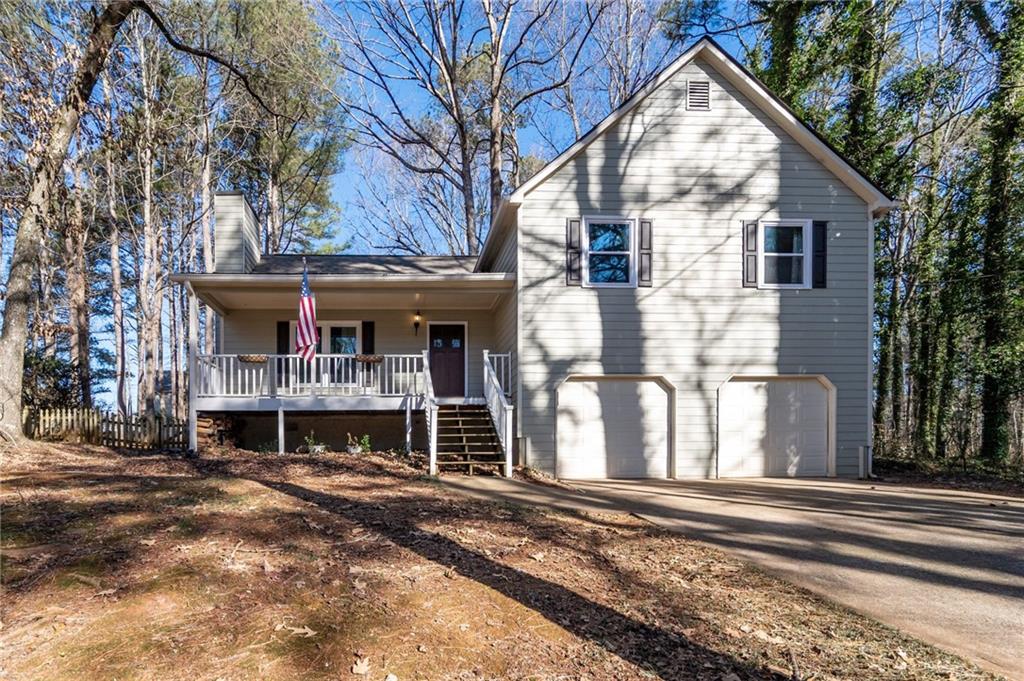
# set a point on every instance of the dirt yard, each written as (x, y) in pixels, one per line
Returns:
(242, 565)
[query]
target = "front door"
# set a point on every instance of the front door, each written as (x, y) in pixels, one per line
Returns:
(448, 359)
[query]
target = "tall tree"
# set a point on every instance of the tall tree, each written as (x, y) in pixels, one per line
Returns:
(1005, 131)
(410, 60)
(521, 68)
(44, 170)
(45, 164)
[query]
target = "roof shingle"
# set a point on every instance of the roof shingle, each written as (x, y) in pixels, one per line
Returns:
(366, 264)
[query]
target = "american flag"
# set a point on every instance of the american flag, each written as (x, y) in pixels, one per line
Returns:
(306, 336)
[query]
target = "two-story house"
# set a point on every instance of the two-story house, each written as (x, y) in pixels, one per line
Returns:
(685, 292)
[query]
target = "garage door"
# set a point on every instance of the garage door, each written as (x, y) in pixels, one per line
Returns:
(773, 427)
(612, 428)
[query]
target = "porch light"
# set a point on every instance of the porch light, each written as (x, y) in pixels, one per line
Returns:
(416, 319)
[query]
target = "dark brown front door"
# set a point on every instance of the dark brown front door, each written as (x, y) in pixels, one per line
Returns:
(448, 359)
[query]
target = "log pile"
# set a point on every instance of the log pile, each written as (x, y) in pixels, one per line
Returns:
(215, 429)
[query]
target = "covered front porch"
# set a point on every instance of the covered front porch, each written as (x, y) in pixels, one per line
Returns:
(405, 344)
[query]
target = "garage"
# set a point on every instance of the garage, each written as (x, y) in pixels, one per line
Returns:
(773, 427)
(610, 427)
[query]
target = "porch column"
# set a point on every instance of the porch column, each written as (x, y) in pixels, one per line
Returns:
(193, 365)
(280, 430)
(408, 424)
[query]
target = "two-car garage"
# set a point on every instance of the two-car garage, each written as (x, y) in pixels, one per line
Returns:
(623, 427)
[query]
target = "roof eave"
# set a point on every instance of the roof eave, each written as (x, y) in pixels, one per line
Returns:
(506, 209)
(384, 279)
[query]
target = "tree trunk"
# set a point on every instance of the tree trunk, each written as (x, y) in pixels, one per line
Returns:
(497, 123)
(468, 196)
(29, 238)
(860, 108)
(148, 298)
(889, 358)
(783, 28)
(273, 241)
(1005, 127)
(496, 115)
(77, 287)
(206, 206)
(116, 289)
(945, 388)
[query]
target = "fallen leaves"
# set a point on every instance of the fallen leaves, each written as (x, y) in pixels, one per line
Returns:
(361, 667)
(85, 579)
(459, 596)
(303, 631)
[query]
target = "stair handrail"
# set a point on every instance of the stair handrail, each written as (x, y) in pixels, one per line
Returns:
(500, 409)
(430, 409)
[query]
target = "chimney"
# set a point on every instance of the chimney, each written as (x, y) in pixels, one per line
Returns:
(236, 235)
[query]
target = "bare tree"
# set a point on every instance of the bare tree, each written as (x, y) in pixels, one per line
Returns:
(628, 47)
(406, 212)
(521, 67)
(44, 170)
(399, 51)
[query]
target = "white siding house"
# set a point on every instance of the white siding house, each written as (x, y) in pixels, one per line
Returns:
(685, 292)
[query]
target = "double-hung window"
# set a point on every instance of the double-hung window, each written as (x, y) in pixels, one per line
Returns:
(784, 248)
(609, 252)
(336, 338)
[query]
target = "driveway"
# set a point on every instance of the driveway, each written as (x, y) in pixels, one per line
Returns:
(945, 566)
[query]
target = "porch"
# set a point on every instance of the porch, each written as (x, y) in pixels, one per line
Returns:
(352, 384)
(333, 382)
(398, 335)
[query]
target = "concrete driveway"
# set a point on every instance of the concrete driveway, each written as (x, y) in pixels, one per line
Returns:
(945, 566)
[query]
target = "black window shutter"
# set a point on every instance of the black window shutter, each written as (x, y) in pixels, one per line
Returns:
(819, 246)
(282, 338)
(750, 254)
(646, 254)
(368, 338)
(573, 271)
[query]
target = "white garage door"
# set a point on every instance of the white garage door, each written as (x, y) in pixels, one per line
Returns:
(773, 427)
(612, 428)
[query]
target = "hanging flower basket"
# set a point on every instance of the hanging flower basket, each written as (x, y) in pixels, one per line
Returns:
(370, 359)
(253, 359)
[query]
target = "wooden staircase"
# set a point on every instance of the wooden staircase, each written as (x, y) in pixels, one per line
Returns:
(466, 440)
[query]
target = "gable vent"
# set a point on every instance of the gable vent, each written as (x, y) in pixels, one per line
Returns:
(698, 95)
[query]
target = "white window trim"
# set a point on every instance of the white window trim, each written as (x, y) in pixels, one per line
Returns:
(807, 254)
(585, 251)
(325, 337)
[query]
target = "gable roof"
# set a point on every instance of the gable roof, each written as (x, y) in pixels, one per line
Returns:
(879, 202)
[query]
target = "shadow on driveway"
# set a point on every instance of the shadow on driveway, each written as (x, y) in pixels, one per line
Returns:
(943, 565)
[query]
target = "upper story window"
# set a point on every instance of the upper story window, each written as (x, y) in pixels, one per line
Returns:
(784, 248)
(609, 252)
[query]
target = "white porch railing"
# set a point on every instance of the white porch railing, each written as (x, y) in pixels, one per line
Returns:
(292, 375)
(430, 409)
(500, 409)
(502, 364)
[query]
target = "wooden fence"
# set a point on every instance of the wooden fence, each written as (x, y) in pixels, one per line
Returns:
(107, 428)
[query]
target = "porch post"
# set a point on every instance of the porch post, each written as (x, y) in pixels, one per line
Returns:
(408, 424)
(193, 366)
(280, 430)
